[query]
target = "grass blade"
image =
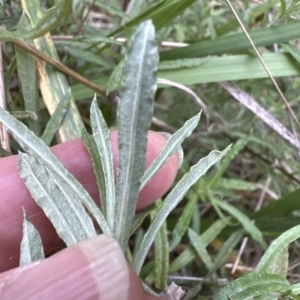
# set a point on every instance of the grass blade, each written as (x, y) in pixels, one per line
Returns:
(161, 14)
(236, 42)
(171, 146)
(189, 254)
(234, 67)
(36, 147)
(161, 254)
(26, 65)
(56, 119)
(200, 248)
(31, 244)
(248, 225)
(134, 118)
(183, 222)
(227, 247)
(173, 198)
(102, 139)
(60, 204)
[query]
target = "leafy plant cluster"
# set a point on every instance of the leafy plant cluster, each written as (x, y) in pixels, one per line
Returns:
(215, 229)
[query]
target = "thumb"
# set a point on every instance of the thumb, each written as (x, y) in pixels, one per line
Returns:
(93, 269)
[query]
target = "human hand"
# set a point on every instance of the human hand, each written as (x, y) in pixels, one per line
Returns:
(93, 269)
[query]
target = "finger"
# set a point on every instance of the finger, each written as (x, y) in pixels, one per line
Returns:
(73, 154)
(93, 269)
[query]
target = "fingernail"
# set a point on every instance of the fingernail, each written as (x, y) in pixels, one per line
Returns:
(179, 152)
(109, 267)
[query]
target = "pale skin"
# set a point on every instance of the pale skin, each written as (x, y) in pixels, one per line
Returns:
(93, 269)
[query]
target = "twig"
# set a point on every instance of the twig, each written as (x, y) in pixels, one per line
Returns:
(59, 66)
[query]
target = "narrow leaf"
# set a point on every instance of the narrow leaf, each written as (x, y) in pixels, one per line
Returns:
(35, 146)
(134, 119)
(31, 244)
(26, 65)
(60, 204)
(233, 152)
(227, 247)
(56, 119)
(161, 14)
(140, 217)
(102, 139)
(171, 146)
(161, 255)
(248, 225)
(183, 222)
(173, 198)
(200, 248)
(189, 254)
(234, 67)
(266, 36)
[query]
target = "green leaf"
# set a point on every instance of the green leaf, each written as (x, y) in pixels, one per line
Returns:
(102, 139)
(26, 65)
(294, 51)
(182, 63)
(200, 248)
(227, 247)
(56, 119)
(59, 203)
(91, 146)
(161, 14)
(283, 206)
(134, 119)
(88, 56)
(277, 247)
(173, 198)
(140, 217)
(233, 152)
(52, 18)
(31, 244)
(183, 222)
(189, 254)
(114, 81)
(234, 67)
(235, 184)
(171, 146)
(252, 285)
(267, 36)
(35, 146)
(161, 254)
(248, 225)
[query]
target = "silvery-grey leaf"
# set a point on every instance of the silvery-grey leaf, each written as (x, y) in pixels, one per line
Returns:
(36, 147)
(31, 244)
(171, 201)
(134, 118)
(60, 203)
(171, 146)
(102, 139)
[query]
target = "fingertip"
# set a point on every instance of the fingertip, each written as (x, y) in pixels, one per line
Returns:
(93, 269)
